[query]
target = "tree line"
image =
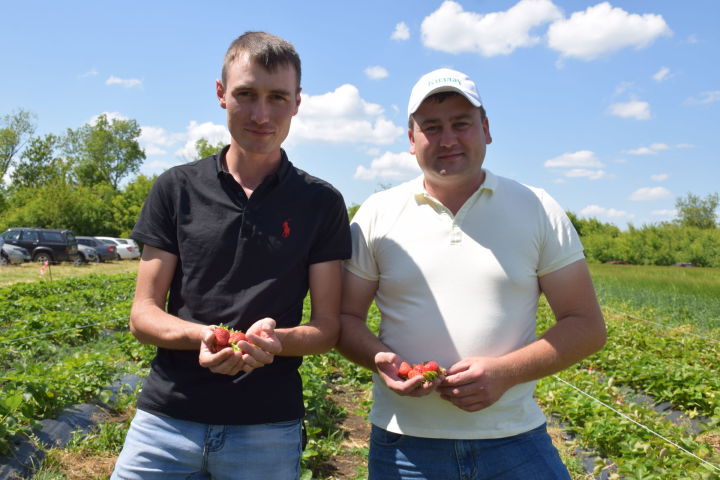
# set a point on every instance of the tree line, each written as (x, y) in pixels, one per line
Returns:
(86, 180)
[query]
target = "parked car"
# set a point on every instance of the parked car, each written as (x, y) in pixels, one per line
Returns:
(104, 251)
(12, 255)
(87, 253)
(44, 244)
(126, 251)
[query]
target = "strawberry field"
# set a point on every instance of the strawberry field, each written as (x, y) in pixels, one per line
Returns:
(645, 407)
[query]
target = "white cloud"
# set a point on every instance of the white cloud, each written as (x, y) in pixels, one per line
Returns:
(598, 211)
(662, 74)
(659, 177)
(647, 194)
(123, 82)
(401, 32)
(376, 72)
(603, 29)
(704, 98)
(453, 30)
(109, 115)
(633, 109)
(649, 150)
(390, 166)
(664, 213)
(90, 73)
(579, 159)
(342, 116)
(212, 132)
(586, 173)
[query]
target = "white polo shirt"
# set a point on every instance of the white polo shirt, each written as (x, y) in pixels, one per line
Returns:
(453, 287)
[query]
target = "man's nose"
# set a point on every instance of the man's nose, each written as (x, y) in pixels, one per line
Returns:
(448, 138)
(260, 111)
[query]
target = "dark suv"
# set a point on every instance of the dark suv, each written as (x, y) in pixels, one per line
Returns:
(44, 244)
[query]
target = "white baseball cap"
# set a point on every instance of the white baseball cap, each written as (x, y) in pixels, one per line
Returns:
(443, 80)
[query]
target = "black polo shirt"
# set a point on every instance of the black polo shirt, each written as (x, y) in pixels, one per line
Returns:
(239, 260)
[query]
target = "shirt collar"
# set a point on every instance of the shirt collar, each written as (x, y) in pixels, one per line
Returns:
(271, 179)
(417, 186)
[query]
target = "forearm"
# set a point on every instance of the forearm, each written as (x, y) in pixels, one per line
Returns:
(308, 339)
(564, 344)
(358, 343)
(152, 325)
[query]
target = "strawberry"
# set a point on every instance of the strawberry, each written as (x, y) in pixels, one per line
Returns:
(413, 373)
(430, 375)
(404, 369)
(432, 366)
(222, 338)
(235, 337)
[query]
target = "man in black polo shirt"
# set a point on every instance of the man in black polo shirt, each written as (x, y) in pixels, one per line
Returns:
(236, 239)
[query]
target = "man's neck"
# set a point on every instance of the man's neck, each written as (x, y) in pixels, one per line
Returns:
(453, 194)
(249, 169)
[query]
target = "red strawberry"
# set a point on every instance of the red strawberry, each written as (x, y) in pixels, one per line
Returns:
(404, 369)
(431, 366)
(222, 338)
(236, 337)
(414, 373)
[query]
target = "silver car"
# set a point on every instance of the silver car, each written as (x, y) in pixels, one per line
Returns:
(13, 255)
(87, 254)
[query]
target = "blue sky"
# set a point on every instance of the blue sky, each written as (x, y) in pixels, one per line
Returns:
(612, 107)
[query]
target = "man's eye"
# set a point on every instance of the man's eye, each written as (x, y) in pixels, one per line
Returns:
(431, 129)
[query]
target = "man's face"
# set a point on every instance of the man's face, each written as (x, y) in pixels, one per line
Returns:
(259, 104)
(448, 139)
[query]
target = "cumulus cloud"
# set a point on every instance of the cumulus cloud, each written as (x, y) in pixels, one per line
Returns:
(390, 166)
(401, 32)
(636, 109)
(647, 194)
(704, 98)
(212, 132)
(453, 30)
(659, 177)
(579, 159)
(603, 29)
(662, 74)
(648, 150)
(598, 211)
(123, 82)
(664, 213)
(585, 173)
(376, 72)
(342, 116)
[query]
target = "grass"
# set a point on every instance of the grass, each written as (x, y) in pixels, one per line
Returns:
(671, 295)
(30, 272)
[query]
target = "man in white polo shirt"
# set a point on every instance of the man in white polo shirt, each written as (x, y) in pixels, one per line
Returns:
(456, 261)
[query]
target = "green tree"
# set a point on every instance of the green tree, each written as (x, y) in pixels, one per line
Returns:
(127, 205)
(39, 163)
(694, 211)
(106, 151)
(15, 129)
(204, 148)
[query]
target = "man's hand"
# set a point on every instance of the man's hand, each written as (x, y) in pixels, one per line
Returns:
(475, 383)
(387, 364)
(259, 350)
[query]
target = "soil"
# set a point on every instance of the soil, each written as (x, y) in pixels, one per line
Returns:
(351, 462)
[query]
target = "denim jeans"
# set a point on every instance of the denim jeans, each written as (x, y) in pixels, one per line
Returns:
(165, 448)
(528, 456)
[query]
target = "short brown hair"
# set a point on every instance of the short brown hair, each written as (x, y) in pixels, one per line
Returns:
(441, 97)
(267, 50)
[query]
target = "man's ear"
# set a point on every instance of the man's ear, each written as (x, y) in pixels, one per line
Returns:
(411, 137)
(220, 93)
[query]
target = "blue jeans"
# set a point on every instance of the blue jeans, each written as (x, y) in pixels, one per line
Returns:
(528, 456)
(169, 449)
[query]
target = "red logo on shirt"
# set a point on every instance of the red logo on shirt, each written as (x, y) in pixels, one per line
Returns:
(285, 229)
